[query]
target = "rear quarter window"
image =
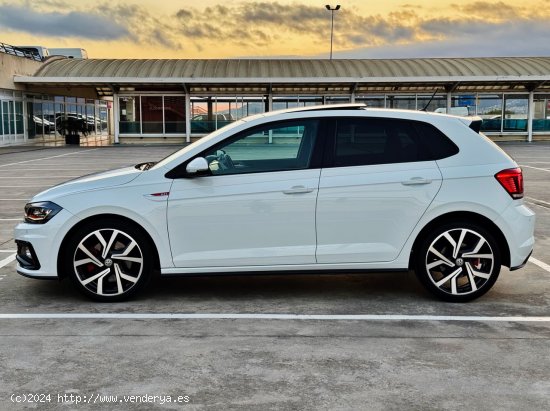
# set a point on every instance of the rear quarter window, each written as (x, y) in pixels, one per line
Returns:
(434, 141)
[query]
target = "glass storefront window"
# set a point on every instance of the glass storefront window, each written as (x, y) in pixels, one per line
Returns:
(401, 102)
(3, 129)
(6, 117)
(437, 104)
(541, 117)
(174, 114)
(103, 117)
(489, 108)
(282, 103)
(91, 119)
(256, 107)
(468, 101)
(48, 118)
(515, 113)
(371, 101)
(336, 100)
(35, 124)
(151, 115)
(59, 115)
(129, 115)
(19, 128)
(201, 117)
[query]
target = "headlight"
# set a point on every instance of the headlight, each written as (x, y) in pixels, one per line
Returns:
(40, 213)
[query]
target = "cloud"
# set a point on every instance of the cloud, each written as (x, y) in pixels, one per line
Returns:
(70, 24)
(494, 40)
(144, 27)
(260, 27)
(260, 24)
(490, 10)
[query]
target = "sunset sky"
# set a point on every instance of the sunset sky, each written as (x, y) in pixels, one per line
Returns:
(238, 29)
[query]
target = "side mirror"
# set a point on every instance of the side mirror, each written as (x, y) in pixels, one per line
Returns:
(197, 166)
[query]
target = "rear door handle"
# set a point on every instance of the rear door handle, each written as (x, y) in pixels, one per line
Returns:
(298, 190)
(416, 181)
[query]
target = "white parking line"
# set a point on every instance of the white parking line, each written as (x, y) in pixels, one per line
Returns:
(542, 265)
(46, 158)
(537, 200)
(7, 260)
(7, 251)
(221, 316)
(536, 168)
(86, 170)
(41, 177)
(11, 219)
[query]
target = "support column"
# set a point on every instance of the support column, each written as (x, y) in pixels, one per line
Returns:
(116, 116)
(187, 117)
(270, 102)
(270, 108)
(530, 115)
(449, 102)
(24, 113)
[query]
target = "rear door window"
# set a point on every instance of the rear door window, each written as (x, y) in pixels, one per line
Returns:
(368, 141)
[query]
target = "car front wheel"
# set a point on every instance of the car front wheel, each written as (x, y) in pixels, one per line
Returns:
(458, 262)
(108, 260)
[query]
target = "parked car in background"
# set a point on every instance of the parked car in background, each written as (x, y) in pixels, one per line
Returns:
(456, 111)
(342, 188)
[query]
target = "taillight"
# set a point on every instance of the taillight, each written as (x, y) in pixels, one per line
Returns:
(512, 181)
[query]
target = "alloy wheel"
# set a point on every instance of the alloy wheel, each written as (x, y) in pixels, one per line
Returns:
(108, 262)
(460, 261)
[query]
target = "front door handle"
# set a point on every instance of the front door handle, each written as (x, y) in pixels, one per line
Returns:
(416, 181)
(298, 190)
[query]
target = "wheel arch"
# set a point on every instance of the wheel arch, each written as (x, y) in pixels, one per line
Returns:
(463, 216)
(81, 223)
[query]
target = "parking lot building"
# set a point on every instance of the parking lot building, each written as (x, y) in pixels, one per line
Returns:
(179, 100)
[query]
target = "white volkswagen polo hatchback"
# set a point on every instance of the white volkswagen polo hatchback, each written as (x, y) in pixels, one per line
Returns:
(320, 189)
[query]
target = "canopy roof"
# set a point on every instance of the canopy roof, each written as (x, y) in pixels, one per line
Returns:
(298, 76)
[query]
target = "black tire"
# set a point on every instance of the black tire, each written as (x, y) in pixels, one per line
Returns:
(112, 275)
(463, 274)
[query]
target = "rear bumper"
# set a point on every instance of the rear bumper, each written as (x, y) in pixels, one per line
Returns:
(517, 223)
(522, 264)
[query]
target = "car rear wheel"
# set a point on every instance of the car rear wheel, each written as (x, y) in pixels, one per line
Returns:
(108, 260)
(458, 262)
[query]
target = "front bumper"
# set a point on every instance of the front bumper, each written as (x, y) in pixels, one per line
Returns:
(45, 241)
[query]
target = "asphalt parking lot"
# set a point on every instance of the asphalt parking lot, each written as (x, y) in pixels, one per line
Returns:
(274, 356)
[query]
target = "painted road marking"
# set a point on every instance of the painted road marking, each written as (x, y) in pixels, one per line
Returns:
(7, 251)
(536, 200)
(221, 316)
(536, 168)
(11, 219)
(46, 169)
(41, 177)
(47, 158)
(7, 260)
(538, 205)
(542, 265)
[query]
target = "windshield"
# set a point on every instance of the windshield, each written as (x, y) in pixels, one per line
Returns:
(188, 148)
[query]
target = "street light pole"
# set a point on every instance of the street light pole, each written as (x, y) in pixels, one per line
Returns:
(332, 10)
